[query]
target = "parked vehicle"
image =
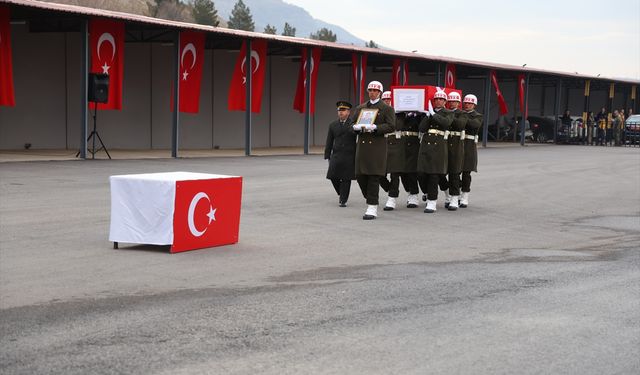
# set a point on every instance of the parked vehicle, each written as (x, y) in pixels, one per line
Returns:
(632, 130)
(543, 128)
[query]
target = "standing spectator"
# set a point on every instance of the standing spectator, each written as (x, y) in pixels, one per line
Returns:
(592, 128)
(340, 150)
(601, 121)
(615, 128)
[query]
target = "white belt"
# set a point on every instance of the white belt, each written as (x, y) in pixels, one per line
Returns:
(472, 137)
(445, 134)
(399, 134)
(457, 134)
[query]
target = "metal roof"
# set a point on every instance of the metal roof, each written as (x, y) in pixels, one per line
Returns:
(303, 42)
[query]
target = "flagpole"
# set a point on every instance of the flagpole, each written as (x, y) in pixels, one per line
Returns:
(176, 98)
(487, 102)
(556, 109)
(84, 76)
(307, 100)
(523, 126)
(247, 122)
(402, 73)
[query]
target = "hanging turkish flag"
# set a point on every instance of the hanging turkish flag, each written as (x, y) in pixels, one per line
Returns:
(207, 213)
(7, 96)
(398, 75)
(238, 88)
(363, 70)
(106, 40)
(450, 76)
(191, 61)
(501, 101)
(299, 101)
(521, 83)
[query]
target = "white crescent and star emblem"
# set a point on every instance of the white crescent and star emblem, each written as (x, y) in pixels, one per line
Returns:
(106, 37)
(450, 78)
(304, 68)
(188, 48)
(192, 208)
(254, 55)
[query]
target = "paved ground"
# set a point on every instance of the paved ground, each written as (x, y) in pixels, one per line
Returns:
(541, 274)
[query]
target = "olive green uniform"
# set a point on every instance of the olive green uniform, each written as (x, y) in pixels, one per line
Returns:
(470, 163)
(433, 154)
(402, 154)
(455, 151)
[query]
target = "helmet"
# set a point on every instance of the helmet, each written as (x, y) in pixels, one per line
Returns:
(453, 97)
(470, 99)
(386, 95)
(440, 95)
(375, 85)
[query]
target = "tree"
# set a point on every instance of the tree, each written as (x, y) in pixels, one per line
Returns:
(241, 18)
(289, 30)
(270, 30)
(205, 13)
(324, 34)
(371, 44)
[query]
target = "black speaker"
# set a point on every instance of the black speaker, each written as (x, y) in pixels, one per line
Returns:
(98, 88)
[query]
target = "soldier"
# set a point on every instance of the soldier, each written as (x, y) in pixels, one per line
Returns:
(402, 158)
(451, 187)
(472, 129)
(340, 150)
(432, 159)
(371, 149)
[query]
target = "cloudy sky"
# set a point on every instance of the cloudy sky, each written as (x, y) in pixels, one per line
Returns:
(587, 36)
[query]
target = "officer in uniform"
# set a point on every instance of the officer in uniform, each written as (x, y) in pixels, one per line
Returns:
(371, 149)
(402, 158)
(455, 150)
(471, 130)
(432, 159)
(340, 150)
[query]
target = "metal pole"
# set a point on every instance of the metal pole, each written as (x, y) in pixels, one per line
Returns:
(359, 80)
(585, 109)
(307, 100)
(633, 99)
(403, 80)
(556, 109)
(487, 102)
(176, 97)
(84, 76)
(523, 125)
(247, 120)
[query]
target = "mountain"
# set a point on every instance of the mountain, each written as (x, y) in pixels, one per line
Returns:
(277, 12)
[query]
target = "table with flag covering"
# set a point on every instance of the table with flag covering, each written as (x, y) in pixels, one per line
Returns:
(183, 209)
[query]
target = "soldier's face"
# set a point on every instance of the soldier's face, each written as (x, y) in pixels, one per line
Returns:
(454, 105)
(438, 102)
(343, 114)
(374, 94)
(468, 106)
(387, 101)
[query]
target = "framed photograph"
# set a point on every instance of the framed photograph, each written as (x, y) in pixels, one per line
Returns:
(367, 116)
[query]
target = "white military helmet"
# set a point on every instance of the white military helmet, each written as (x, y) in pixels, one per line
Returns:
(386, 95)
(375, 85)
(453, 97)
(440, 95)
(470, 99)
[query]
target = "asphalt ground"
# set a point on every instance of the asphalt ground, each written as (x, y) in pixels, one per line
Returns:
(539, 275)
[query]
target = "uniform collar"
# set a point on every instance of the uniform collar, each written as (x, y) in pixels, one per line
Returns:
(374, 101)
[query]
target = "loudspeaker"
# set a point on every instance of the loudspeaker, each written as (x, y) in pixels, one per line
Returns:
(98, 88)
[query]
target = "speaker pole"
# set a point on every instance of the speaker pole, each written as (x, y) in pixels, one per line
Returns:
(176, 98)
(84, 69)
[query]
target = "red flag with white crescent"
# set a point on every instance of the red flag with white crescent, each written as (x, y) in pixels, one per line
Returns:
(299, 102)
(363, 70)
(521, 87)
(7, 95)
(431, 90)
(237, 90)
(450, 76)
(106, 41)
(397, 76)
(191, 61)
(501, 102)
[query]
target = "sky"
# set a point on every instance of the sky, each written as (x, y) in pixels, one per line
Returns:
(588, 36)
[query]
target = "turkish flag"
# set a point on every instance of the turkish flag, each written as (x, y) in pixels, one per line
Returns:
(207, 213)
(522, 81)
(431, 91)
(501, 101)
(396, 78)
(237, 90)
(7, 96)
(450, 76)
(299, 100)
(363, 71)
(106, 41)
(191, 61)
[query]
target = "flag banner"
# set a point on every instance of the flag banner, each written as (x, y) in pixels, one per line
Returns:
(450, 76)
(7, 94)
(522, 81)
(397, 77)
(501, 102)
(237, 90)
(191, 62)
(363, 70)
(299, 101)
(106, 41)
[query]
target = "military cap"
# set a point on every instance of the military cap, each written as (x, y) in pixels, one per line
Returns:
(342, 104)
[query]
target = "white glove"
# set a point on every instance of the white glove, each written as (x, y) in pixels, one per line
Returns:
(373, 127)
(428, 114)
(357, 127)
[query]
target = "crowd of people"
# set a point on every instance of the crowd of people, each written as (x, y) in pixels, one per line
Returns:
(428, 151)
(600, 129)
